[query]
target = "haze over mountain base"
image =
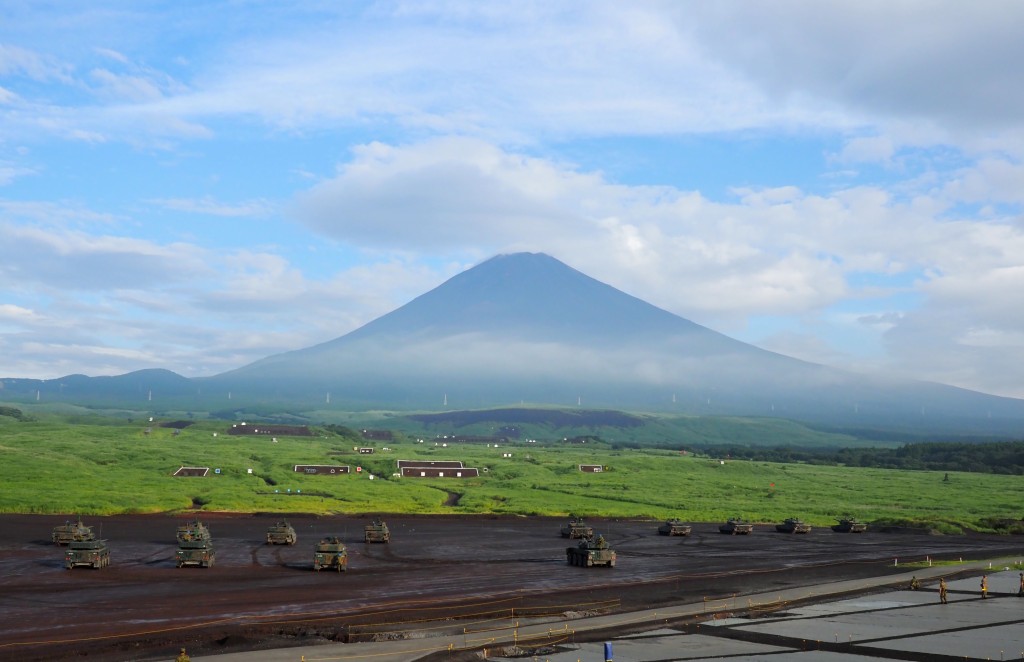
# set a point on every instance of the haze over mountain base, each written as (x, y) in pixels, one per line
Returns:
(526, 328)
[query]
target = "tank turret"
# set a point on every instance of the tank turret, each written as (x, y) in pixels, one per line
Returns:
(850, 525)
(576, 528)
(793, 525)
(674, 527)
(736, 526)
(281, 533)
(590, 552)
(377, 531)
(330, 553)
(70, 531)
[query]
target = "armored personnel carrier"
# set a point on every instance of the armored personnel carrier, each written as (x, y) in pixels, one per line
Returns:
(576, 528)
(590, 552)
(793, 525)
(88, 552)
(376, 532)
(192, 531)
(330, 553)
(674, 527)
(736, 526)
(850, 525)
(70, 531)
(281, 533)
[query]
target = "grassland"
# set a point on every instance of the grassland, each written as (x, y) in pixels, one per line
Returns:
(93, 465)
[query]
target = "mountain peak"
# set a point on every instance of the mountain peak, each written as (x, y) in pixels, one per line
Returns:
(527, 295)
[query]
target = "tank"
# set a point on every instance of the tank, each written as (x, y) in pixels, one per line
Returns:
(281, 533)
(87, 552)
(330, 553)
(199, 553)
(736, 526)
(674, 527)
(590, 552)
(793, 525)
(576, 528)
(850, 525)
(195, 547)
(69, 531)
(376, 532)
(191, 531)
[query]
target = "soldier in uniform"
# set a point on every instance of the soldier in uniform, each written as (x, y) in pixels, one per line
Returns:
(183, 657)
(984, 587)
(943, 591)
(1020, 591)
(915, 583)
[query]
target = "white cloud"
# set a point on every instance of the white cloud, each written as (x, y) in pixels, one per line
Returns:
(776, 251)
(17, 61)
(946, 62)
(867, 149)
(211, 207)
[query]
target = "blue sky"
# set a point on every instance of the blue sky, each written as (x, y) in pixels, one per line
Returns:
(197, 185)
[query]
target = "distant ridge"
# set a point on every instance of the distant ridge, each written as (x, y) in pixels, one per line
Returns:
(524, 328)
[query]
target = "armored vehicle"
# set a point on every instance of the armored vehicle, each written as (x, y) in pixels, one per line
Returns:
(69, 531)
(194, 545)
(90, 552)
(576, 528)
(193, 531)
(195, 552)
(674, 527)
(793, 525)
(331, 553)
(736, 526)
(590, 552)
(850, 525)
(281, 533)
(376, 532)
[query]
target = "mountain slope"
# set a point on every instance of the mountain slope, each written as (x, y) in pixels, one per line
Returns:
(527, 328)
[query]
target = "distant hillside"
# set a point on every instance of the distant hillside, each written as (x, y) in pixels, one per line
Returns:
(528, 330)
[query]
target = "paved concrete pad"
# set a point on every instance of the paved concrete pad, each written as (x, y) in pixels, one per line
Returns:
(675, 646)
(1005, 642)
(879, 626)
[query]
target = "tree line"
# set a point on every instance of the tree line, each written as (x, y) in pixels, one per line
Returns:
(1005, 457)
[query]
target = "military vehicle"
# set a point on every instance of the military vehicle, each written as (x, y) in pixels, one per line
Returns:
(850, 525)
(674, 527)
(576, 528)
(590, 552)
(376, 532)
(197, 552)
(195, 547)
(70, 531)
(87, 551)
(192, 531)
(331, 553)
(793, 525)
(736, 526)
(281, 533)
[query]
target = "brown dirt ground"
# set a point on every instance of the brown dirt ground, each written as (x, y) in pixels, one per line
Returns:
(256, 596)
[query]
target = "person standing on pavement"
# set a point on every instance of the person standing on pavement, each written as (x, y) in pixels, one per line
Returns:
(943, 590)
(984, 587)
(1020, 591)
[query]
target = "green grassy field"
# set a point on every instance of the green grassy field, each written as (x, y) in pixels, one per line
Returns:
(92, 465)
